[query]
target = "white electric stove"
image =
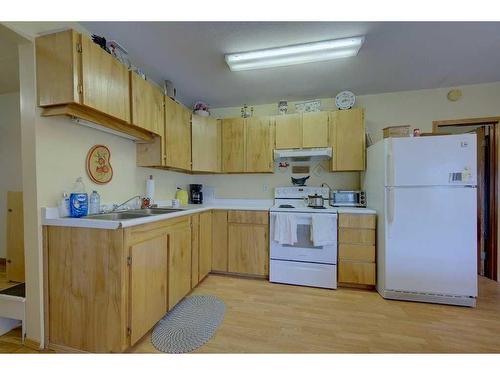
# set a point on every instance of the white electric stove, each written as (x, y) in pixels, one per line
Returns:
(302, 263)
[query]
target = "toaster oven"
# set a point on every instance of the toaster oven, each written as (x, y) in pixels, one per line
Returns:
(347, 198)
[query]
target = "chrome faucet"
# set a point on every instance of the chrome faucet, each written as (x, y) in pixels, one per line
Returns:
(117, 206)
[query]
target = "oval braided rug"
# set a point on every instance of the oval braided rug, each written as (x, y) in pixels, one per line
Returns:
(190, 324)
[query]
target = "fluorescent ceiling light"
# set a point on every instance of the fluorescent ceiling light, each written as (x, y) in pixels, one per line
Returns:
(296, 54)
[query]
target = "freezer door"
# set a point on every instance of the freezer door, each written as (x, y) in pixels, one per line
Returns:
(431, 240)
(426, 161)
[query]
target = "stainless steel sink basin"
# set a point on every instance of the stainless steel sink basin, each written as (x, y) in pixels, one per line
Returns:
(156, 211)
(132, 214)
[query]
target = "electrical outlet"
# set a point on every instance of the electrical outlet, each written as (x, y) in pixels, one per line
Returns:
(265, 188)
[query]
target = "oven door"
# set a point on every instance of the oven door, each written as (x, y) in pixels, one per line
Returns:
(304, 250)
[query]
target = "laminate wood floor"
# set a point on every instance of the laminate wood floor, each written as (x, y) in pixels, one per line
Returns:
(262, 317)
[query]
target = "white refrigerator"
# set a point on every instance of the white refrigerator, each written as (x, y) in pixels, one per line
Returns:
(424, 190)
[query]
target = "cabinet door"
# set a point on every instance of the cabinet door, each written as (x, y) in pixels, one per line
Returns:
(219, 241)
(195, 249)
(206, 144)
(315, 129)
(105, 82)
(347, 137)
(148, 285)
(147, 105)
(288, 131)
(205, 264)
(179, 262)
(15, 236)
(177, 135)
(259, 145)
(248, 249)
(233, 145)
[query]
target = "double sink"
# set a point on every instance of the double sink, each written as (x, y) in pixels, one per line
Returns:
(132, 214)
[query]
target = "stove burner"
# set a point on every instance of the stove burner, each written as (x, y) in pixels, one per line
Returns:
(286, 206)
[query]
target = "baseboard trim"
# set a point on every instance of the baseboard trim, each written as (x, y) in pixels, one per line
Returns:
(357, 286)
(240, 275)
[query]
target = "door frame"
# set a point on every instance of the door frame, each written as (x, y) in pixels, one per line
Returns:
(493, 121)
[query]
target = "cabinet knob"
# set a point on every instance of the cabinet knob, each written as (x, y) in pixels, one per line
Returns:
(9, 261)
(10, 210)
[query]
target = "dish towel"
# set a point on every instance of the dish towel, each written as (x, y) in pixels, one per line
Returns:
(324, 230)
(285, 229)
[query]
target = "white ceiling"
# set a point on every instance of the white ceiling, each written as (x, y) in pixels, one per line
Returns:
(395, 57)
(9, 61)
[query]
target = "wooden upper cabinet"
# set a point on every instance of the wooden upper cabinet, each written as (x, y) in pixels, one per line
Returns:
(57, 68)
(105, 81)
(259, 145)
(233, 145)
(206, 144)
(147, 105)
(347, 137)
(288, 131)
(177, 135)
(148, 285)
(315, 129)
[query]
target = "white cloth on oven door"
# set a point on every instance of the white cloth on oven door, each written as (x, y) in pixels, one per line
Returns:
(323, 230)
(285, 228)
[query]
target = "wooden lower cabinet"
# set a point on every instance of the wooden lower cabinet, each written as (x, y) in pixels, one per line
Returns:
(219, 241)
(195, 253)
(148, 285)
(357, 253)
(205, 249)
(248, 249)
(179, 262)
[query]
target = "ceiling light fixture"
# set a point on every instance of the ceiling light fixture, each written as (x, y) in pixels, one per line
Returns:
(295, 54)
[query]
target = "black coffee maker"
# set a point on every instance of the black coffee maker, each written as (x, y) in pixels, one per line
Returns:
(195, 194)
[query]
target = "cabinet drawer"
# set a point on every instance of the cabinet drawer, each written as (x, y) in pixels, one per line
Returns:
(356, 272)
(248, 217)
(357, 221)
(360, 253)
(357, 236)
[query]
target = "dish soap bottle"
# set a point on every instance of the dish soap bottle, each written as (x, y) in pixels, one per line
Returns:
(78, 200)
(64, 205)
(94, 203)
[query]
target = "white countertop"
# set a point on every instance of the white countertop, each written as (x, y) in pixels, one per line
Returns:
(50, 216)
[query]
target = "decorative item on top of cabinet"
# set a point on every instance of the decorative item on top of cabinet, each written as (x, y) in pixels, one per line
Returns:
(76, 78)
(206, 144)
(347, 138)
(357, 255)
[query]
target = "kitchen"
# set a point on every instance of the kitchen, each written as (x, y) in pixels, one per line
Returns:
(239, 240)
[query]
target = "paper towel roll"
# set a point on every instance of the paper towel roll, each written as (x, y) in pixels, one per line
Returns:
(150, 189)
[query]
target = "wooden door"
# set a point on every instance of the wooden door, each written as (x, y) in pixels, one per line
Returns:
(15, 236)
(105, 82)
(147, 105)
(248, 249)
(195, 249)
(315, 129)
(205, 264)
(205, 144)
(177, 135)
(259, 145)
(347, 137)
(219, 241)
(288, 131)
(233, 145)
(179, 262)
(148, 285)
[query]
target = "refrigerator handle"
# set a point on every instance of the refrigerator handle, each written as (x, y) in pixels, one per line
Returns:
(389, 167)
(390, 206)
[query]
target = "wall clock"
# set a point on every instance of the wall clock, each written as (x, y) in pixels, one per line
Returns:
(345, 100)
(98, 164)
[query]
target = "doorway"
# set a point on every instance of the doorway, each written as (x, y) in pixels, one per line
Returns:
(486, 130)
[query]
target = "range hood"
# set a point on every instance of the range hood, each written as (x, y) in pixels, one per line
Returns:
(304, 153)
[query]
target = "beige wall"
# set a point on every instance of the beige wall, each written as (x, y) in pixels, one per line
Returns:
(10, 157)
